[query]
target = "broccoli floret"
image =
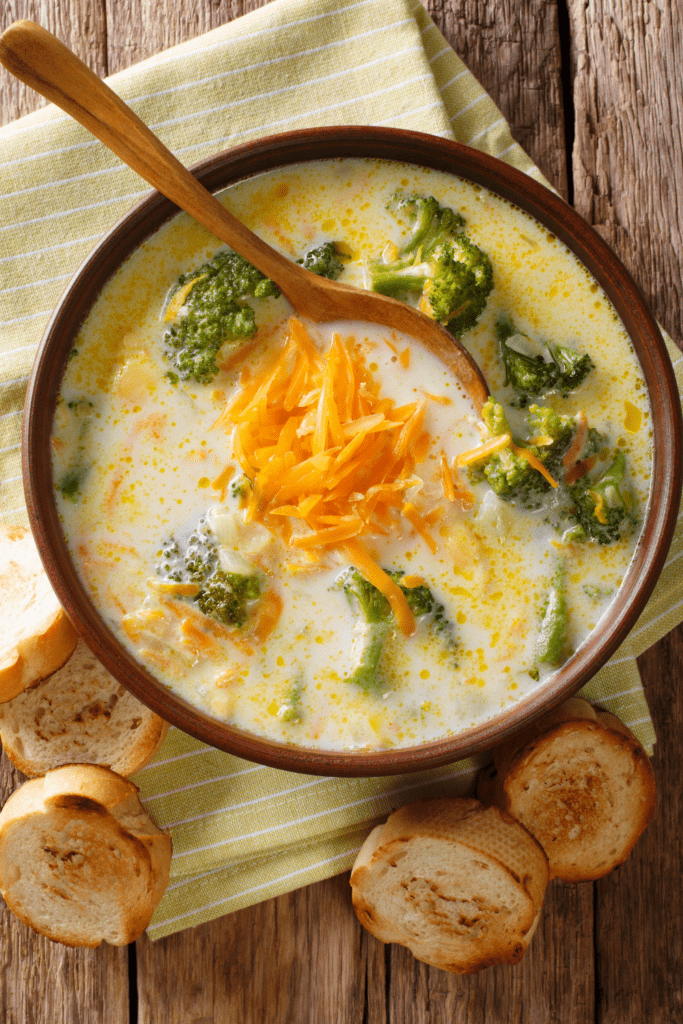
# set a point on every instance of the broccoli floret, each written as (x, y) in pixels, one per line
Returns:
(226, 596)
(546, 423)
(573, 367)
(216, 312)
(509, 474)
(453, 275)
(324, 261)
(528, 375)
(378, 621)
(600, 511)
(363, 596)
(533, 375)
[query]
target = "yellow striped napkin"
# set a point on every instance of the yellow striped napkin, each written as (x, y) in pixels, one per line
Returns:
(241, 832)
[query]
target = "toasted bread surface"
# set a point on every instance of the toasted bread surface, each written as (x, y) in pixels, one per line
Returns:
(585, 789)
(79, 714)
(459, 884)
(81, 861)
(36, 637)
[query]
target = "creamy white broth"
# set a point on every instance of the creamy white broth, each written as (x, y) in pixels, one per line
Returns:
(152, 454)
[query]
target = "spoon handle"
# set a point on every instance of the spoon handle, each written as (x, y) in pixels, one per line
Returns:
(41, 61)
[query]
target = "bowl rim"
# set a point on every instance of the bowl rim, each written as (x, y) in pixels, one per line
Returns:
(301, 146)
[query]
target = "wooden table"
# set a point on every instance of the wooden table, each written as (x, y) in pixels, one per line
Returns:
(594, 92)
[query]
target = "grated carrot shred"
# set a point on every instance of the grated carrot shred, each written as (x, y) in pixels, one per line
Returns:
(416, 520)
(447, 479)
(368, 567)
(178, 300)
(534, 463)
(222, 480)
(441, 399)
(496, 444)
(404, 358)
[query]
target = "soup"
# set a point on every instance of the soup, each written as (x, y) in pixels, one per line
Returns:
(309, 532)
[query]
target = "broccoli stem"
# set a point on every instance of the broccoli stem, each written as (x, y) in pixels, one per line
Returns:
(365, 674)
(552, 634)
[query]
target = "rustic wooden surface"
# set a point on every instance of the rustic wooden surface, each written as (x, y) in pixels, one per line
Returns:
(593, 92)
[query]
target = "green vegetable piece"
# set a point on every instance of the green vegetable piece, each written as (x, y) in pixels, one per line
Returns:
(573, 367)
(70, 484)
(509, 474)
(378, 621)
(324, 260)
(216, 313)
(453, 275)
(530, 375)
(226, 596)
(600, 511)
(294, 712)
(494, 417)
(552, 635)
(366, 675)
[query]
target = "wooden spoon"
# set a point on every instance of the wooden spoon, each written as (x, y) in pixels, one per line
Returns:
(40, 60)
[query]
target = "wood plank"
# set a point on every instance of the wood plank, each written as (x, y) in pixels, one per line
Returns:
(639, 907)
(628, 156)
(554, 981)
(628, 181)
(299, 957)
(514, 50)
(81, 986)
(81, 24)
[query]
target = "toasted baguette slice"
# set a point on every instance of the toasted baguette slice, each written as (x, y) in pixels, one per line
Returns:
(81, 861)
(583, 786)
(36, 637)
(459, 884)
(80, 714)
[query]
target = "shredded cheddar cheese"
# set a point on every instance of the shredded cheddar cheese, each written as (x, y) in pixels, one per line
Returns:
(330, 457)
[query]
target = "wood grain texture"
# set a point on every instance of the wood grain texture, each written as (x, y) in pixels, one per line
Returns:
(628, 151)
(297, 958)
(80, 24)
(628, 182)
(639, 907)
(514, 50)
(554, 981)
(42, 982)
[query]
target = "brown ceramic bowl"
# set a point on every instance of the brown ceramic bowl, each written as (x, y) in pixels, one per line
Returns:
(427, 151)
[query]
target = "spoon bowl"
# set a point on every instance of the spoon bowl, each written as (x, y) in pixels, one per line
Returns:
(41, 61)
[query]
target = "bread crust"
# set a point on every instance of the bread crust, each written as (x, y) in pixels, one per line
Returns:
(459, 884)
(36, 637)
(79, 713)
(81, 861)
(581, 783)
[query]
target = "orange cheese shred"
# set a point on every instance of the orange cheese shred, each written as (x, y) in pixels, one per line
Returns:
(535, 463)
(368, 568)
(496, 444)
(331, 458)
